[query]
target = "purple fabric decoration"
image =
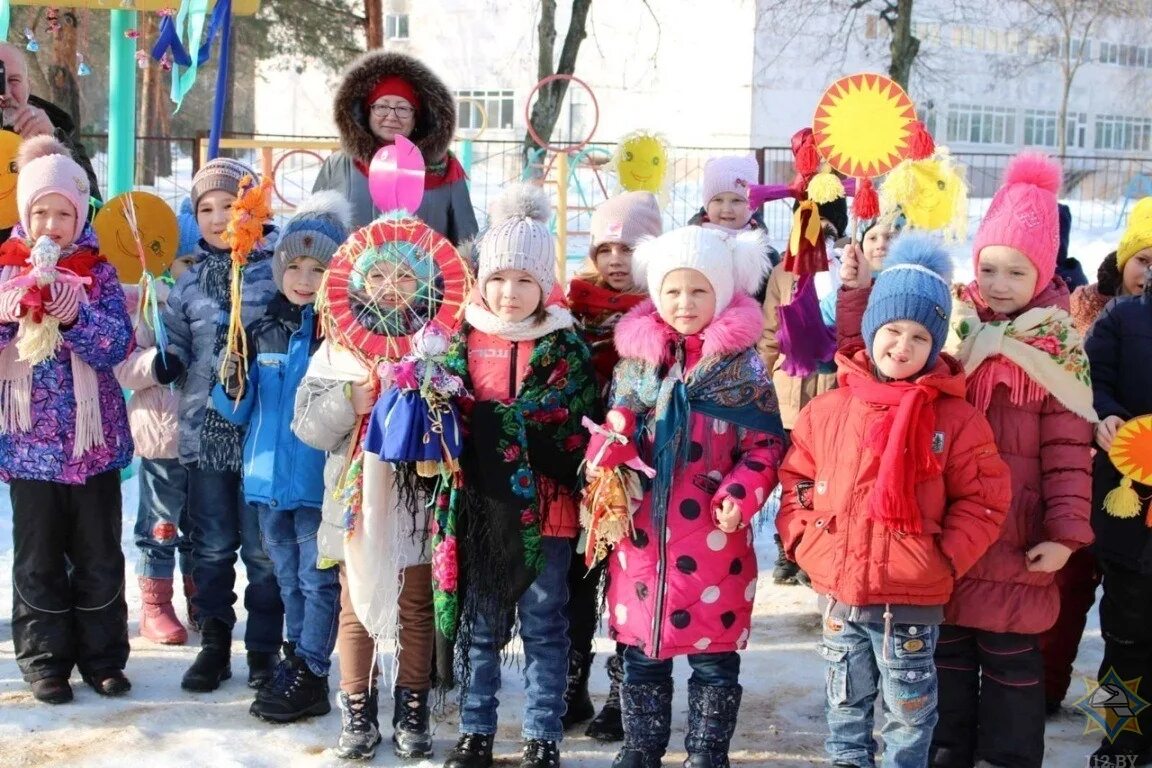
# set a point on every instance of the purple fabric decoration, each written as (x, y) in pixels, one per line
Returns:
(805, 342)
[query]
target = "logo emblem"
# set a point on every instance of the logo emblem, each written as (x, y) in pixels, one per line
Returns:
(1111, 705)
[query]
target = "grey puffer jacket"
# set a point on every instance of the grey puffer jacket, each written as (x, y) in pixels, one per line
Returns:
(194, 318)
(446, 207)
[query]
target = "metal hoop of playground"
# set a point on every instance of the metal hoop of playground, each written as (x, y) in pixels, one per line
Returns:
(560, 154)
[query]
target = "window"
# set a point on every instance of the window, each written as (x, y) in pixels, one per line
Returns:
(475, 106)
(980, 125)
(1117, 132)
(1138, 56)
(396, 26)
(1041, 128)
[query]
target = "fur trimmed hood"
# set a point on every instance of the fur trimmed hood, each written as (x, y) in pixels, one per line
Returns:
(643, 334)
(435, 120)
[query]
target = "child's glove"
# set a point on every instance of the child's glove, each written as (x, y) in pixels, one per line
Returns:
(167, 368)
(10, 308)
(232, 377)
(64, 302)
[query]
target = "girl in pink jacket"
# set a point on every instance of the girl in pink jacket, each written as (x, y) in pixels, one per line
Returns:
(708, 422)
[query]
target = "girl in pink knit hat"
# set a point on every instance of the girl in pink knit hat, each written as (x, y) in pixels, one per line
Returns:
(63, 432)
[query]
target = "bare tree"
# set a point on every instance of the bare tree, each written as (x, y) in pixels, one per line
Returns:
(1065, 28)
(550, 98)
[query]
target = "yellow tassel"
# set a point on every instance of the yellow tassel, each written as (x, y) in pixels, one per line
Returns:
(38, 341)
(825, 187)
(1122, 501)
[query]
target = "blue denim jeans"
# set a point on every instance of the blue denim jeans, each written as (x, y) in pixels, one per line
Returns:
(162, 519)
(544, 632)
(311, 596)
(222, 524)
(855, 665)
(712, 669)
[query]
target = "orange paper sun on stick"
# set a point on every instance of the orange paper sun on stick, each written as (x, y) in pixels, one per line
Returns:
(863, 125)
(1131, 454)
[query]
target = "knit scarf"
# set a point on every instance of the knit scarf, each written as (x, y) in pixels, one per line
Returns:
(518, 456)
(902, 438)
(1037, 353)
(16, 375)
(221, 441)
(598, 308)
(558, 318)
(731, 388)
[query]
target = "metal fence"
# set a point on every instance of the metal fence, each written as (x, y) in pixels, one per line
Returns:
(1099, 189)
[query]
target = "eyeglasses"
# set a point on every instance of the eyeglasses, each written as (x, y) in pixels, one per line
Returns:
(401, 111)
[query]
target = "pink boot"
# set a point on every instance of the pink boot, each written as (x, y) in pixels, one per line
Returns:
(158, 621)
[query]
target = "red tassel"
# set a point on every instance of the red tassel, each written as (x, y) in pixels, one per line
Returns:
(807, 158)
(920, 142)
(866, 203)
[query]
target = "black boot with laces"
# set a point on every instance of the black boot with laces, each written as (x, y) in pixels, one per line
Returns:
(294, 693)
(539, 753)
(411, 736)
(473, 750)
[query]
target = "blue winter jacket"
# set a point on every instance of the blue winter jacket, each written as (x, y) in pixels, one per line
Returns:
(279, 469)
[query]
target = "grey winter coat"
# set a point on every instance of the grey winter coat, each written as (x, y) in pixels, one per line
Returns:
(447, 208)
(193, 319)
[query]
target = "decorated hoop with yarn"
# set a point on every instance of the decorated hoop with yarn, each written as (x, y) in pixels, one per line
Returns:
(1131, 454)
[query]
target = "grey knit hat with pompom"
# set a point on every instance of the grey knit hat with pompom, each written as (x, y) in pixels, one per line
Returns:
(519, 238)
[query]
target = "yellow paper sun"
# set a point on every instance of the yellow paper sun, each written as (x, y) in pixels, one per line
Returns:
(1132, 450)
(861, 125)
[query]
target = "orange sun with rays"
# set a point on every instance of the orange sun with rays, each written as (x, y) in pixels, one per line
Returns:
(1132, 450)
(861, 126)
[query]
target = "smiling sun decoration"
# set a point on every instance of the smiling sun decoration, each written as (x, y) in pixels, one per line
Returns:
(862, 125)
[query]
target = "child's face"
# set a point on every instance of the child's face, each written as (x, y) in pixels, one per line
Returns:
(876, 245)
(302, 277)
(212, 215)
(180, 266)
(54, 216)
(512, 295)
(1006, 278)
(901, 349)
(390, 285)
(1134, 269)
(687, 301)
(728, 209)
(614, 263)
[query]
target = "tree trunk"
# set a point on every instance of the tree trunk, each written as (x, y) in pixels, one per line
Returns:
(904, 45)
(1062, 120)
(374, 23)
(550, 98)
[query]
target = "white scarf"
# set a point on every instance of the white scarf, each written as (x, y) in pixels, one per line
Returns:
(482, 319)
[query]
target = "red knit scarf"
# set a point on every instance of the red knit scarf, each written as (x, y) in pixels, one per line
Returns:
(903, 440)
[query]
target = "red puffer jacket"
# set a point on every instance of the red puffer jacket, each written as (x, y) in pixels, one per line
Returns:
(827, 480)
(1048, 450)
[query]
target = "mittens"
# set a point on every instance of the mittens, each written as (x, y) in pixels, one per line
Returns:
(10, 309)
(167, 368)
(64, 302)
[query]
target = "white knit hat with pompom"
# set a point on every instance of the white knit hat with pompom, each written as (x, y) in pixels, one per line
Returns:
(519, 238)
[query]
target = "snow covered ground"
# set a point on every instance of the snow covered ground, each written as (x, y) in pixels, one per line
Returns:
(158, 724)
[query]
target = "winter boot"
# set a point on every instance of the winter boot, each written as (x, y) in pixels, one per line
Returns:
(296, 693)
(410, 735)
(213, 665)
(607, 726)
(261, 667)
(108, 682)
(158, 621)
(472, 750)
(784, 571)
(539, 753)
(194, 620)
(647, 710)
(52, 690)
(282, 669)
(359, 726)
(712, 713)
(576, 693)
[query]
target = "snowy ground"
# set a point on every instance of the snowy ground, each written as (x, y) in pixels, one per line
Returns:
(158, 724)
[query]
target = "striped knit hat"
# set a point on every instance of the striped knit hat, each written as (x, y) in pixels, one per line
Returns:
(519, 238)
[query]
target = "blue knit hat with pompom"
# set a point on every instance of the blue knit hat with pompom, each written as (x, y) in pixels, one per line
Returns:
(915, 285)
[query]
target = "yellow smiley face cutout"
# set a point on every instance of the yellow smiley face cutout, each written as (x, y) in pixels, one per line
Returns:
(642, 162)
(157, 226)
(9, 211)
(932, 194)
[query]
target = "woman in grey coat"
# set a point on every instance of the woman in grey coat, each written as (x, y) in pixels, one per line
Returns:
(384, 95)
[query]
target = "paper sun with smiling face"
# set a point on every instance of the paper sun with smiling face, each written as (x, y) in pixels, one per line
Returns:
(641, 162)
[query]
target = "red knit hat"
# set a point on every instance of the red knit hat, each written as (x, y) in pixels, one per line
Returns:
(393, 86)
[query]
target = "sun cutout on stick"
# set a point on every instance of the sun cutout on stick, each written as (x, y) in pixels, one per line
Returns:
(1131, 454)
(863, 124)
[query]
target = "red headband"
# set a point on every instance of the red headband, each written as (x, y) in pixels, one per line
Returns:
(393, 86)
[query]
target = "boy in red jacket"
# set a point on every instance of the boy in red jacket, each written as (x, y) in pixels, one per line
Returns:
(892, 489)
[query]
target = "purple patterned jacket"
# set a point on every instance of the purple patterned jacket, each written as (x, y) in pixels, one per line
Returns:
(100, 337)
